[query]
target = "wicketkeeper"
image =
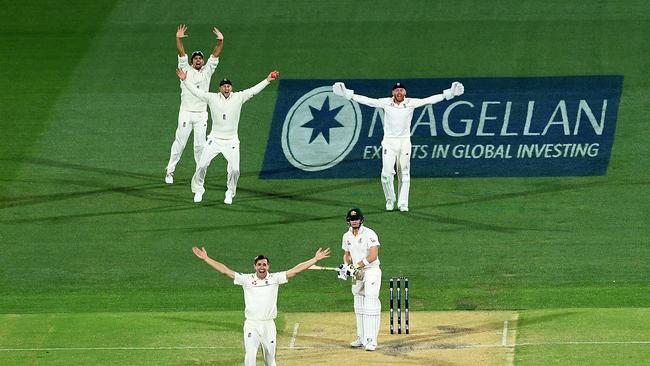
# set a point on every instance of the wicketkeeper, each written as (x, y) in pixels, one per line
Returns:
(396, 144)
(361, 247)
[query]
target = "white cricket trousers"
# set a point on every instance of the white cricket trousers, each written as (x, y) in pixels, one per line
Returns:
(212, 148)
(367, 306)
(258, 332)
(396, 151)
(188, 121)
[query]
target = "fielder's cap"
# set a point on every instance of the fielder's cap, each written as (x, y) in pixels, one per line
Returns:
(196, 53)
(354, 214)
(225, 81)
(399, 85)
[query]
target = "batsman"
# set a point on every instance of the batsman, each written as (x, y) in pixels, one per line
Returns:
(396, 143)
(361, 247)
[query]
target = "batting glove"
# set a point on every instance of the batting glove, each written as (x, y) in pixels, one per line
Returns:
(343, 272)
(455, 90)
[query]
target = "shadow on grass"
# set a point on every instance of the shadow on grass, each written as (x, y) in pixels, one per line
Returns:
(228, 326)
(152, 186)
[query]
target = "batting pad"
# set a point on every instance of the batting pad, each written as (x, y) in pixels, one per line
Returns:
(371, 327)
(358, 310)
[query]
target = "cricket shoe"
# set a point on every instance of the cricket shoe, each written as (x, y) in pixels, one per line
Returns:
(169, 177)
(228, 199)
(357, 343)
(389, 205)
(198, 197)
(404, 208)
(371, 346)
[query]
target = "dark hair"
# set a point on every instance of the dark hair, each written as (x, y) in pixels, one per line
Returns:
(260, 257)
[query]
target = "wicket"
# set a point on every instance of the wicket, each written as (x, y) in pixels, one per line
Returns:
(398, 288)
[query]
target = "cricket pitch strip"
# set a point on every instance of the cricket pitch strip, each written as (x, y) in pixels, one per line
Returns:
(484, 338)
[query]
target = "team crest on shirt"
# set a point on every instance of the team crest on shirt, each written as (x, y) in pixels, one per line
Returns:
(320, 130)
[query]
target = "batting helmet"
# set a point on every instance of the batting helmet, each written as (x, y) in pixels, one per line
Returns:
(354, 214)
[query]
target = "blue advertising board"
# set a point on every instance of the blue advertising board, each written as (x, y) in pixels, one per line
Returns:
(500, 127)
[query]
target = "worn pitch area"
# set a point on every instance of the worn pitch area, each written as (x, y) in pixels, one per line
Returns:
(436, 338)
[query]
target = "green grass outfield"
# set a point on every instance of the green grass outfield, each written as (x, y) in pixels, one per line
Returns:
(88, 227)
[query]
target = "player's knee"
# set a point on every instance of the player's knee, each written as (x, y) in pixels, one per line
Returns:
(406, 177)
(372, 306)
(386, 177)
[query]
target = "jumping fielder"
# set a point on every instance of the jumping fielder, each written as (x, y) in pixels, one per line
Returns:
(193, 114)
(361, 247)
(225, 108)
(260, 298)
(396, 144)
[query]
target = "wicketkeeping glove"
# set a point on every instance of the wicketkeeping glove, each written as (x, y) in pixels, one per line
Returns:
(340, 90)
(455, 90)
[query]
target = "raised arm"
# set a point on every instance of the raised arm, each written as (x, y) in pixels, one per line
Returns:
(455, 90)
(202, 254)
(320, 254)
(252, 91)
(219, 46)
(180, 34)
(203, 95)
(340, 90)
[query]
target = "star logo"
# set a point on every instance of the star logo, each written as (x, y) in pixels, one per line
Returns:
(322, 121)
(320, 130)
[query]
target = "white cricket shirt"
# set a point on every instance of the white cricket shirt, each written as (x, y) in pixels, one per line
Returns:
(359, 245)
(261, 296)
(397, 117)
(197, 79)
(225, 112)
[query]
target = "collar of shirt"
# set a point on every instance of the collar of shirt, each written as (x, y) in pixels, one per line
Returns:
(361, 230)
(396, 105)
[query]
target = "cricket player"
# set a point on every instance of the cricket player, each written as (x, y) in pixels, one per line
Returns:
(225, 107)
(396, 143)
(361, 253)
(260, 299)
(193, 114)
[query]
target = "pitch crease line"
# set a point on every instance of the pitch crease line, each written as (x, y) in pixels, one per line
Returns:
(292, 343)
(504, 334)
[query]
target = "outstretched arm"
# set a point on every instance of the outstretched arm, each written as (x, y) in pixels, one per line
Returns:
(320, 254)
(202, 254)
(455, 90)
(219, 46)
(339, 89)
(252, 91)
(180, 34)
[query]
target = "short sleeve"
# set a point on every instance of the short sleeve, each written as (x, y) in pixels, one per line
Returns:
(343, 246)
(240, 279)
(373, 240)
(281, 278)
